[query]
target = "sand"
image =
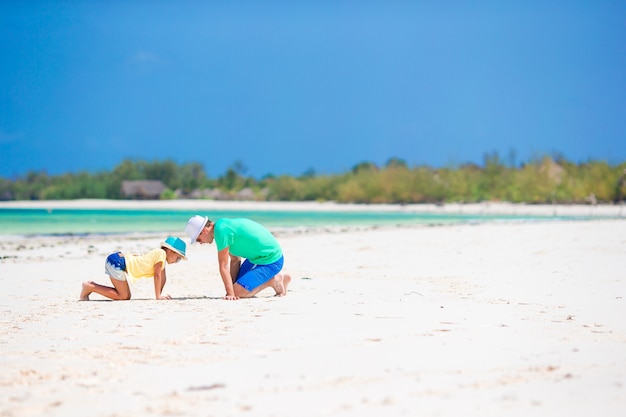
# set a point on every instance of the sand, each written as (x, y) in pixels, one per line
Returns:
(466, 320)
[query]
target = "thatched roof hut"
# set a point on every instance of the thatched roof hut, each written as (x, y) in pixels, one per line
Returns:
(143, 190)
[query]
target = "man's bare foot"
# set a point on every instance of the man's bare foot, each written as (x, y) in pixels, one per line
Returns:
(281, 282)
(86, 290)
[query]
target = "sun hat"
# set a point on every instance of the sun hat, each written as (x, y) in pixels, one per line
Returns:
(195, 226)
(175, 244)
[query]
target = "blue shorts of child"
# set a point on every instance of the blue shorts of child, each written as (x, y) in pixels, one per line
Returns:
(115, 266)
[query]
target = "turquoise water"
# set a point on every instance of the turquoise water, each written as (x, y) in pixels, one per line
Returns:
(31, 221)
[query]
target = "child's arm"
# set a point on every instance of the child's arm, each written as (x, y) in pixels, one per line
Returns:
(159, 281)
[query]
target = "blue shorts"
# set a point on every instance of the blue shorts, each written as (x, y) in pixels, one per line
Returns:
(115, 266)
(251, 276)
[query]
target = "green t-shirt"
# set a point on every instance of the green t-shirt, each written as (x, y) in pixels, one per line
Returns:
(247, 239)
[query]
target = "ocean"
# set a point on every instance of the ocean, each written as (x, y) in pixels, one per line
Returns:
(80, 221)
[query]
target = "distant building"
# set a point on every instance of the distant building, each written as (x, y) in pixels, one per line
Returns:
(207, 194)
(143, 190)
(246, 195)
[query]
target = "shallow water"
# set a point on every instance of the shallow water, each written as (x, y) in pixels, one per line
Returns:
(36, 221)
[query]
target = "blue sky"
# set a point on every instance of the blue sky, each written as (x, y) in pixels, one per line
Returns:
(286, 87)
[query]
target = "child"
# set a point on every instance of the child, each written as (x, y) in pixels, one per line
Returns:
(151, 264)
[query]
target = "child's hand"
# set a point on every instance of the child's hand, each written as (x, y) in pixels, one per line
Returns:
(164, 297)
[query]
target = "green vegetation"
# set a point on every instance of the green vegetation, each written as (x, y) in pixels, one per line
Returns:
(540, 181)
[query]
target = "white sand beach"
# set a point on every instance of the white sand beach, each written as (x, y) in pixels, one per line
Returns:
(499, 319)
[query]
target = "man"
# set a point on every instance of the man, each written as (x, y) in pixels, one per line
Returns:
(242, 238)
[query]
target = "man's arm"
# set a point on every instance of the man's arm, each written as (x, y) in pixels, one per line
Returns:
(223, 260)
(235, 265)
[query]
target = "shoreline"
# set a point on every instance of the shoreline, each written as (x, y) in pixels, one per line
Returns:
(486, 208)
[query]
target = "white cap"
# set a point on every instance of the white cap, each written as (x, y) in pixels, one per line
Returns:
(195, 226)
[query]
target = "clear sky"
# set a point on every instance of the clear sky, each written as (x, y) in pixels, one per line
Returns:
(289, 86)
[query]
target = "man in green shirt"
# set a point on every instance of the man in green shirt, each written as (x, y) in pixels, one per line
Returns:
(238, 239)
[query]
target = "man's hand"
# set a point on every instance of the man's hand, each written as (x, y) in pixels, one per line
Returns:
(164, 297)
(230, 297)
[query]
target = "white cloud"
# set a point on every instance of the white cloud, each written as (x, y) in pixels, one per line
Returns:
(144, 57)
(8, 138)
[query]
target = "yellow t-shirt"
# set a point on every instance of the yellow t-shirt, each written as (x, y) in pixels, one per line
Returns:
(142, 266)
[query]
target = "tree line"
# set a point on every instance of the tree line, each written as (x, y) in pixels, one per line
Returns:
(543, 180)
